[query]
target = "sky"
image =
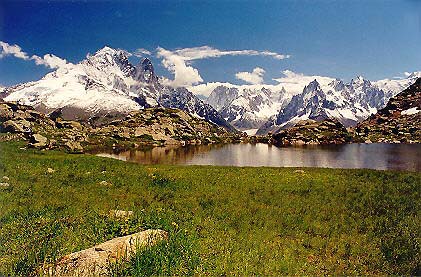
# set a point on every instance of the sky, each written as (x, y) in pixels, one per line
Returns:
(196, 42)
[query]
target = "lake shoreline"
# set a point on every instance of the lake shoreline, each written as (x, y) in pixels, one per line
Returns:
(381, 156)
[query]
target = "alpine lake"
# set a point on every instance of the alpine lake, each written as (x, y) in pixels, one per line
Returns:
(381, 156)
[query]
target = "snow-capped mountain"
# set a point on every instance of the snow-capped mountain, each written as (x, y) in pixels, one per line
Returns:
(272, 107)
(394, 86)
(349, 103)
(107, 83)
(247, 108)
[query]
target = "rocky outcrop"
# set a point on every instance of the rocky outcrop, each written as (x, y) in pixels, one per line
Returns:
(311, 132)
(398, 122)
(94, 261)
(153, 126)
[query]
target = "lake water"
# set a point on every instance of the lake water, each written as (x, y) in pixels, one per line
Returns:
(374, 156)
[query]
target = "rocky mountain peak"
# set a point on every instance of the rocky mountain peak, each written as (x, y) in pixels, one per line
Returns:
(359, 81)
(145, 71)
(413, 75)
(107, 58)
(337, 84)
(147, 64)
(312, 86)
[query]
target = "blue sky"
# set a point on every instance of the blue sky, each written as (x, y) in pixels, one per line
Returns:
(376, 39)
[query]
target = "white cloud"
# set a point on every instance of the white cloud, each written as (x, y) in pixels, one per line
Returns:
(255, 77)
(183, 74)
(141, 52)
(207, 88)
(13, 50)
(178, 62)
(48, 60)
(294, 82)
(204, 52)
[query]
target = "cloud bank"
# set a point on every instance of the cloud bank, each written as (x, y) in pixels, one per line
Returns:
(255, 77)
(179, 61)
(48, 60)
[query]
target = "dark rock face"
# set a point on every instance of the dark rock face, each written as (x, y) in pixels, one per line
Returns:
(183, 99)
(145, 72)
(399, 121)
(222, 96)
(309, 102)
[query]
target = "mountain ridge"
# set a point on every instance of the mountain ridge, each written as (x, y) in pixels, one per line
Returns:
(350, 103)
(106, 83)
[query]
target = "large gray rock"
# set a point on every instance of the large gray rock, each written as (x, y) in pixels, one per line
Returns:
(38, 141)
(95, 260)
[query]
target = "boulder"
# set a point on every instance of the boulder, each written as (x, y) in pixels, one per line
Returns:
(4, 185)
(299, 142)
(6, 112)
(120, 214)
(139, 131)
(160, 136)
(38, 141)
(19, 126)
(95, 260)
(172, 141)
(74, 147)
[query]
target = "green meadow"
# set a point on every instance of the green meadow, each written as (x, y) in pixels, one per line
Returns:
(221, 220)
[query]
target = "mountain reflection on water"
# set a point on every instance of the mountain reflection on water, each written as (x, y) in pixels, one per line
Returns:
(374, 156)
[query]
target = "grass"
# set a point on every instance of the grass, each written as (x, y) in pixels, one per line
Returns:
(221, 220)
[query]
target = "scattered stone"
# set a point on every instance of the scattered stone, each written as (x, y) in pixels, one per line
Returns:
(95, 260)
(368, 141)
(50, 170)
(6, 112)
(299, 142)
(299, 171)
(4, 185)
(172, 141)
(151, 126)
(6, 178)
(120, 214)
(105, 183)
(74, 147)
(310, 132)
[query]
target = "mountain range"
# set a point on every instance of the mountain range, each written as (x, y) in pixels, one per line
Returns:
(265, 110)
(106, 84)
